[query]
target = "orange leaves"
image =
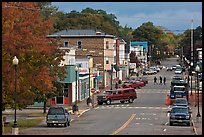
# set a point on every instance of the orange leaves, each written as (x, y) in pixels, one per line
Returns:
(24, 34)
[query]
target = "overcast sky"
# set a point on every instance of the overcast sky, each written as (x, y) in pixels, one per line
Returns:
(174, 16)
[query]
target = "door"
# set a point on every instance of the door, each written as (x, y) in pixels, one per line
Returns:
(59, 100)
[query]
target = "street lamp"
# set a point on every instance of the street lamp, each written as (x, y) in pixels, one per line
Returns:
(15, 63)
(197, 69)
(191, 70)
(76, 70)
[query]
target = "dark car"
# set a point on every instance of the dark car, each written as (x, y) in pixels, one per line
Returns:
(180, 114)
(58, 115)
(181, 102)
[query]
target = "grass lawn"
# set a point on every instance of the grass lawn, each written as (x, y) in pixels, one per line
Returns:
(22, 124)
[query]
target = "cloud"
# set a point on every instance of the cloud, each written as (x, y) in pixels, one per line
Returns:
(170, 19)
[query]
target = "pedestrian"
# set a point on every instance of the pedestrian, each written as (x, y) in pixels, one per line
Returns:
(88, 101)
(160, 80)
(155, 80)
(116, 85)
(164, 80)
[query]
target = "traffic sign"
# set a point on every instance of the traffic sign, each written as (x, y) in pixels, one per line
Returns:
(93, 90)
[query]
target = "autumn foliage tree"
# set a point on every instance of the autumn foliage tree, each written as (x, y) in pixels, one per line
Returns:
(24, 34)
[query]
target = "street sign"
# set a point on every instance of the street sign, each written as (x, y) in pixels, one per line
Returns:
(93, 90)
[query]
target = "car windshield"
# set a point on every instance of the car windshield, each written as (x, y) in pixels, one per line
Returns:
(179, 110)
(56, 111)
(179, 88)
(181, 101)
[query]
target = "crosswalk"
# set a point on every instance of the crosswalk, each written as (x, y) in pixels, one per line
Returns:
(128, 107)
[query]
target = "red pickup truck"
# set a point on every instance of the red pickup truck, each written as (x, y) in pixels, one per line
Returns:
(123, 95)
(133, 84)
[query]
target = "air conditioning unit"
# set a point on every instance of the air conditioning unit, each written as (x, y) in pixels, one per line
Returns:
(125, 62)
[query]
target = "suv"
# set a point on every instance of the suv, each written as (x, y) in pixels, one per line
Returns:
(123, 94)
(58, 115)
(179, 114)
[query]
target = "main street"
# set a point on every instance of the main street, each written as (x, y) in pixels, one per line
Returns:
(147, 115)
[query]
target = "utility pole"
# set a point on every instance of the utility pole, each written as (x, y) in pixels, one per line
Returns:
(192, 58)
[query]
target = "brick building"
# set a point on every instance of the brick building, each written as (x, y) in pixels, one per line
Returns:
(93, 43)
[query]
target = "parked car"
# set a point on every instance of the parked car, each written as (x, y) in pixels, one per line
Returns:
(133, 84)
(58, 115)
(169, 69)
(123, 95)
(178, 71)
(180, 114)
(143, 79)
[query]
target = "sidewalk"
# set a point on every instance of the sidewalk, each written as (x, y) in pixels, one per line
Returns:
(83, 107)
(196, 121)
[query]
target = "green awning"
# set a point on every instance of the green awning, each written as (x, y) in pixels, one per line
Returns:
(116, 68)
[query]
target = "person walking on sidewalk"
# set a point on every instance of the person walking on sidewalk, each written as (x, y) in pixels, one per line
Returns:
(164, 80)
(116, 85)
(155, 80)
(160, 80)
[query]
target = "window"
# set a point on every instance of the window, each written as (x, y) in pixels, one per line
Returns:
(126, 91)
(79, 44)
(66, 89)
(119, 92)
(107, 44)
(66, 43)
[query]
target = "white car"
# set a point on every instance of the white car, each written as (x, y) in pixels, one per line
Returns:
(178, 71)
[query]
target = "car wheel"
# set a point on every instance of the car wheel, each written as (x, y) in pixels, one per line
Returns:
(171, 123)
(122, 101)
(139, 87)
(48, 124)
(108, 102)
(65, 124)
(68, 123)
(188, 124)
(100, 103)
(130, 100)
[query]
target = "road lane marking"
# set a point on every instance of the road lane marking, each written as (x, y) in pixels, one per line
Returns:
(164, 129)
(125, 125)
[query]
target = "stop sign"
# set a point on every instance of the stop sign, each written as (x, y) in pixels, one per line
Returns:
(93, 90)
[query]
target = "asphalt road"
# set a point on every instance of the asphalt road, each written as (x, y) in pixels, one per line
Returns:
(147, 115)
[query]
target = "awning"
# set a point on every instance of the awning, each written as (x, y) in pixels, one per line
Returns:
(99, 77)
(116, 68)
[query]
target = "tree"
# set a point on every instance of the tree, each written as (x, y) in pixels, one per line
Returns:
(24, 32)
(148, 32)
